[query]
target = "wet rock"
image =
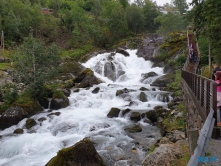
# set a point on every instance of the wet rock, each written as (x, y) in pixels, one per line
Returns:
(110, 71)
(143, 97)
(144, 89)
(86, 79)
(99, 126)
(125, 111)
(134, 129)
(114, 112)
(54, 113)
(151, 114)
(76, 90)
(12, 116)
(66, 92)
(19, 131)
(122, 51)
(82, 153)
(119, 92)
(44, 102)
(41, 119)
(58, 103)
(96, 90)
(135, 116)
(150, 74)
(30, 123)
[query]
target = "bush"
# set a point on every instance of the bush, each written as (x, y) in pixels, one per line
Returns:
(181, 59)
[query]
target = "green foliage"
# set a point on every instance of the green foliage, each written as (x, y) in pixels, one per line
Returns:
(58, 94)
(162, 56)
(181, 59)
(171, 62)
(9, 94)
(176, 85)
(150, 13)
(170, 22)
(35, 64)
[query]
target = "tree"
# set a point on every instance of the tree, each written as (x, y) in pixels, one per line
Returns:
(35, 64)
(170, 22)
(135, 18)
(150, 13)
(181, 5)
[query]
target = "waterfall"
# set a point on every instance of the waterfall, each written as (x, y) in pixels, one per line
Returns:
(87, 117)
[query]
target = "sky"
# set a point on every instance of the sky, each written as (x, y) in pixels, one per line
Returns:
(162, 2)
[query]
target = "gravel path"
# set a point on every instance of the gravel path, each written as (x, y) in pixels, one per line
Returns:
(214, 150)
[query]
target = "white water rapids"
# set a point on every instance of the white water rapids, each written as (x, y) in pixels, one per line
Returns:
(87, 117)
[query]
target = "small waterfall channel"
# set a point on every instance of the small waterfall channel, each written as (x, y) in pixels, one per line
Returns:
(87, 117)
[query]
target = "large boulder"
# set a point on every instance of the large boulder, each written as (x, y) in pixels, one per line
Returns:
(12, 116)
(150, 74)
(110, 71)
(163, 80)
(150, 47)
(58, 103)
(86, 79)
(162, 155)
(151, 114)
(82, 153)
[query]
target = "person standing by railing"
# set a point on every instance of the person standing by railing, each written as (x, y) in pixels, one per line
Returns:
(217, 76)
(216, 68)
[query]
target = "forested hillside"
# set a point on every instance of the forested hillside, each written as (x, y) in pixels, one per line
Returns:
(74, 23)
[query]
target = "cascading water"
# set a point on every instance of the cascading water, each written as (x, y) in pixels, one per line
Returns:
(87, 117)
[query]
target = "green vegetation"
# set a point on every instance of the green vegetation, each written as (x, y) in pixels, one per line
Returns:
(176, 85)
(35, 64)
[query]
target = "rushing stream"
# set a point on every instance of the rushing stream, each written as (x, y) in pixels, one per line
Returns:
(87, 117)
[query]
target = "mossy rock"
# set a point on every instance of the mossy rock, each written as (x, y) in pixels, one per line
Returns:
(76, 90)
(82, 153)
(135, 116)
(86, 79)
(71, 67)
(126, 111)
(114, 112)
(134, 129)
(30, 123)
(151, 114)
(19, 131)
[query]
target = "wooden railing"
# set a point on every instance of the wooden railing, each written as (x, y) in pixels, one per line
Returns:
(203, 89)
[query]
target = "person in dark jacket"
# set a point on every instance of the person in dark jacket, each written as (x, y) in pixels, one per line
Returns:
(216, 68)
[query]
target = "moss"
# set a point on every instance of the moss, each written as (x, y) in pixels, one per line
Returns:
(30, 105)
(183, 161)
(58, 94)
(82, 153)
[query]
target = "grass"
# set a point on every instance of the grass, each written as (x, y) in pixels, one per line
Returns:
(5, 66)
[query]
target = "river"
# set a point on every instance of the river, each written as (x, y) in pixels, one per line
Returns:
(86, 116)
